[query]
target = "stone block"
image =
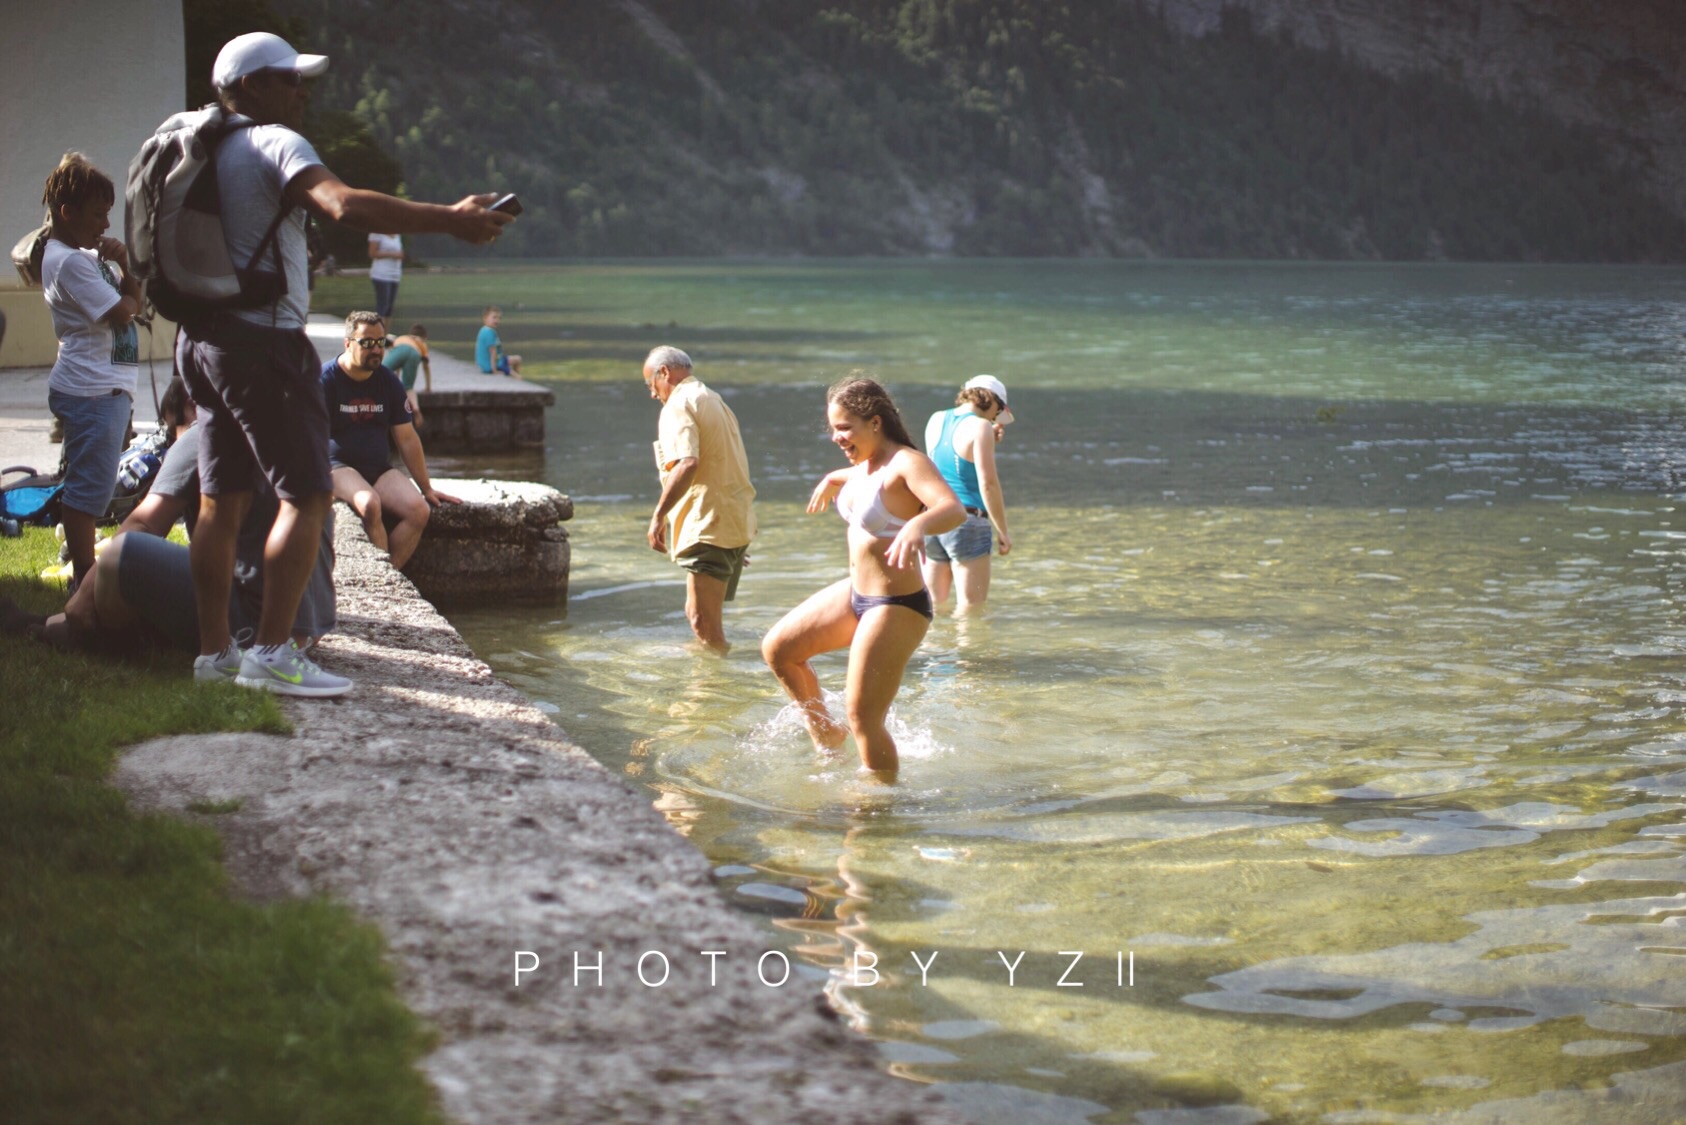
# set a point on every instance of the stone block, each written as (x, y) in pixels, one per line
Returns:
(504, 542)
(484, 421)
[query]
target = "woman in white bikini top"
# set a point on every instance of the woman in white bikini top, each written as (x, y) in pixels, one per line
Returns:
(885, 592)
(861, 504)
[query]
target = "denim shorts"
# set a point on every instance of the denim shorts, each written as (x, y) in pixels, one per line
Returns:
(94, 428)
(971, 540)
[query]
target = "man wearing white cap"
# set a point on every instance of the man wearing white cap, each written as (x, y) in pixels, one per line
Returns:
(961, 443)
(253, 372)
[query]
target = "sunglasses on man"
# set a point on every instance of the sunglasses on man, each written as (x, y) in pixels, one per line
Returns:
(285, 77)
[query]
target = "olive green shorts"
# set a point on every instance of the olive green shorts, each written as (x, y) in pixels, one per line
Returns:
(723, 563)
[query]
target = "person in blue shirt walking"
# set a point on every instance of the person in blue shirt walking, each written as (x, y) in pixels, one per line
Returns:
(962, 444)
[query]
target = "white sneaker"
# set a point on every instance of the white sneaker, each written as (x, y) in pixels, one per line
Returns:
(219, 668)
(287, 671)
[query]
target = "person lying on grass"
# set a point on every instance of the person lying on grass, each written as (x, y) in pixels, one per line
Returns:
(140, 590)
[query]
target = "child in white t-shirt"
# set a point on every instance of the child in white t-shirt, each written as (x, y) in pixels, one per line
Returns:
(94, 302)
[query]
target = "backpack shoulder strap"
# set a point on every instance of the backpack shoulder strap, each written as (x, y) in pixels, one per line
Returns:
(271, 237)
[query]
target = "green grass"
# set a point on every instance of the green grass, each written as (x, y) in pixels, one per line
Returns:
(134, 986)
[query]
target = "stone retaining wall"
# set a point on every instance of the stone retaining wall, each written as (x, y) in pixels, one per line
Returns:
(504, 542)
(484, 421)
(440, 804)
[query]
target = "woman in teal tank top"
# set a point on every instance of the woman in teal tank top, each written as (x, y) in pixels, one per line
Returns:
(962, 443)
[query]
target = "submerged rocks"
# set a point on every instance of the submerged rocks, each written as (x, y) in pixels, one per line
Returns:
(505, 541)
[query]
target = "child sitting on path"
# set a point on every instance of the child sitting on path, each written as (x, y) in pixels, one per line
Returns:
(489, 353)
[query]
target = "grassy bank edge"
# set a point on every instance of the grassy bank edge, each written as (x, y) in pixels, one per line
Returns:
(134, 984)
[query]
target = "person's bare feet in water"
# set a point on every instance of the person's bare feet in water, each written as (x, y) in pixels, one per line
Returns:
(826, 732)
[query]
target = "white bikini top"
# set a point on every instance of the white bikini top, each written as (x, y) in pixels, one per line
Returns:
(861, 504)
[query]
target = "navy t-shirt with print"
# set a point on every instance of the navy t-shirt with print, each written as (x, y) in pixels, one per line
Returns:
(360, 416)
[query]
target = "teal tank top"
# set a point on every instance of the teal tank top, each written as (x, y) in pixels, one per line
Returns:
(961, 474)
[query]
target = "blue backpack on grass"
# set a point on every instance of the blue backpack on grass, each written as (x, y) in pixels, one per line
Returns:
(33, 498)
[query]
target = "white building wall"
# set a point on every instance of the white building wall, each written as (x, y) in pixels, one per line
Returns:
(96, 76)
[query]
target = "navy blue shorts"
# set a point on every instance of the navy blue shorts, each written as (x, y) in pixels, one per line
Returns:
(259, 393)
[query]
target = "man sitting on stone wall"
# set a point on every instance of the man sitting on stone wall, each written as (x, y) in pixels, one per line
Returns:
(366, 403)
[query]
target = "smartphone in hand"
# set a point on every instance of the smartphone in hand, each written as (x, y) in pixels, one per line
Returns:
(509, 205)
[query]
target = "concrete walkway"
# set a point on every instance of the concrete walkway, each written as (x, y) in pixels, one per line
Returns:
(444, 807)
(25, 421)
(449, 372)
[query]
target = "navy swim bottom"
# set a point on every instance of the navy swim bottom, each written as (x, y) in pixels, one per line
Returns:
(919, 602)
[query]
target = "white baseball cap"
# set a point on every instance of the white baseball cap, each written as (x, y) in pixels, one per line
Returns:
(995, 387)
(259, 50)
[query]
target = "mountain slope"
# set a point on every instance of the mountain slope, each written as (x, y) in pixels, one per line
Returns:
(1021, 127)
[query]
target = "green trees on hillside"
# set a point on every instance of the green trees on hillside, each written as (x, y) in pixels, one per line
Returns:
(1022, 127)
(342, 139)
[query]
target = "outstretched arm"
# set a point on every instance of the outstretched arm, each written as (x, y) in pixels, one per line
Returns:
(326, 194)
(156, 514)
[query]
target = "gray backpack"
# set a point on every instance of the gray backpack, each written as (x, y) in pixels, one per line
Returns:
(173, 215)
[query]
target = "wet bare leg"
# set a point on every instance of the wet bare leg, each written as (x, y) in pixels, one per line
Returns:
(884, 642)
(705, 609)
(939, 578)
(822, 623)
(973, 587)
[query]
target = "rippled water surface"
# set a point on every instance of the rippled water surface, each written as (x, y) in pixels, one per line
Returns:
(1335, 687)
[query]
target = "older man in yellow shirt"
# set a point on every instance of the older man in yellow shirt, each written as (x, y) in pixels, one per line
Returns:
(705, 517)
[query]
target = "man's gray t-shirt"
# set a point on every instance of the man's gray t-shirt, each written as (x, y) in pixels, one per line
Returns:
(254, 167)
